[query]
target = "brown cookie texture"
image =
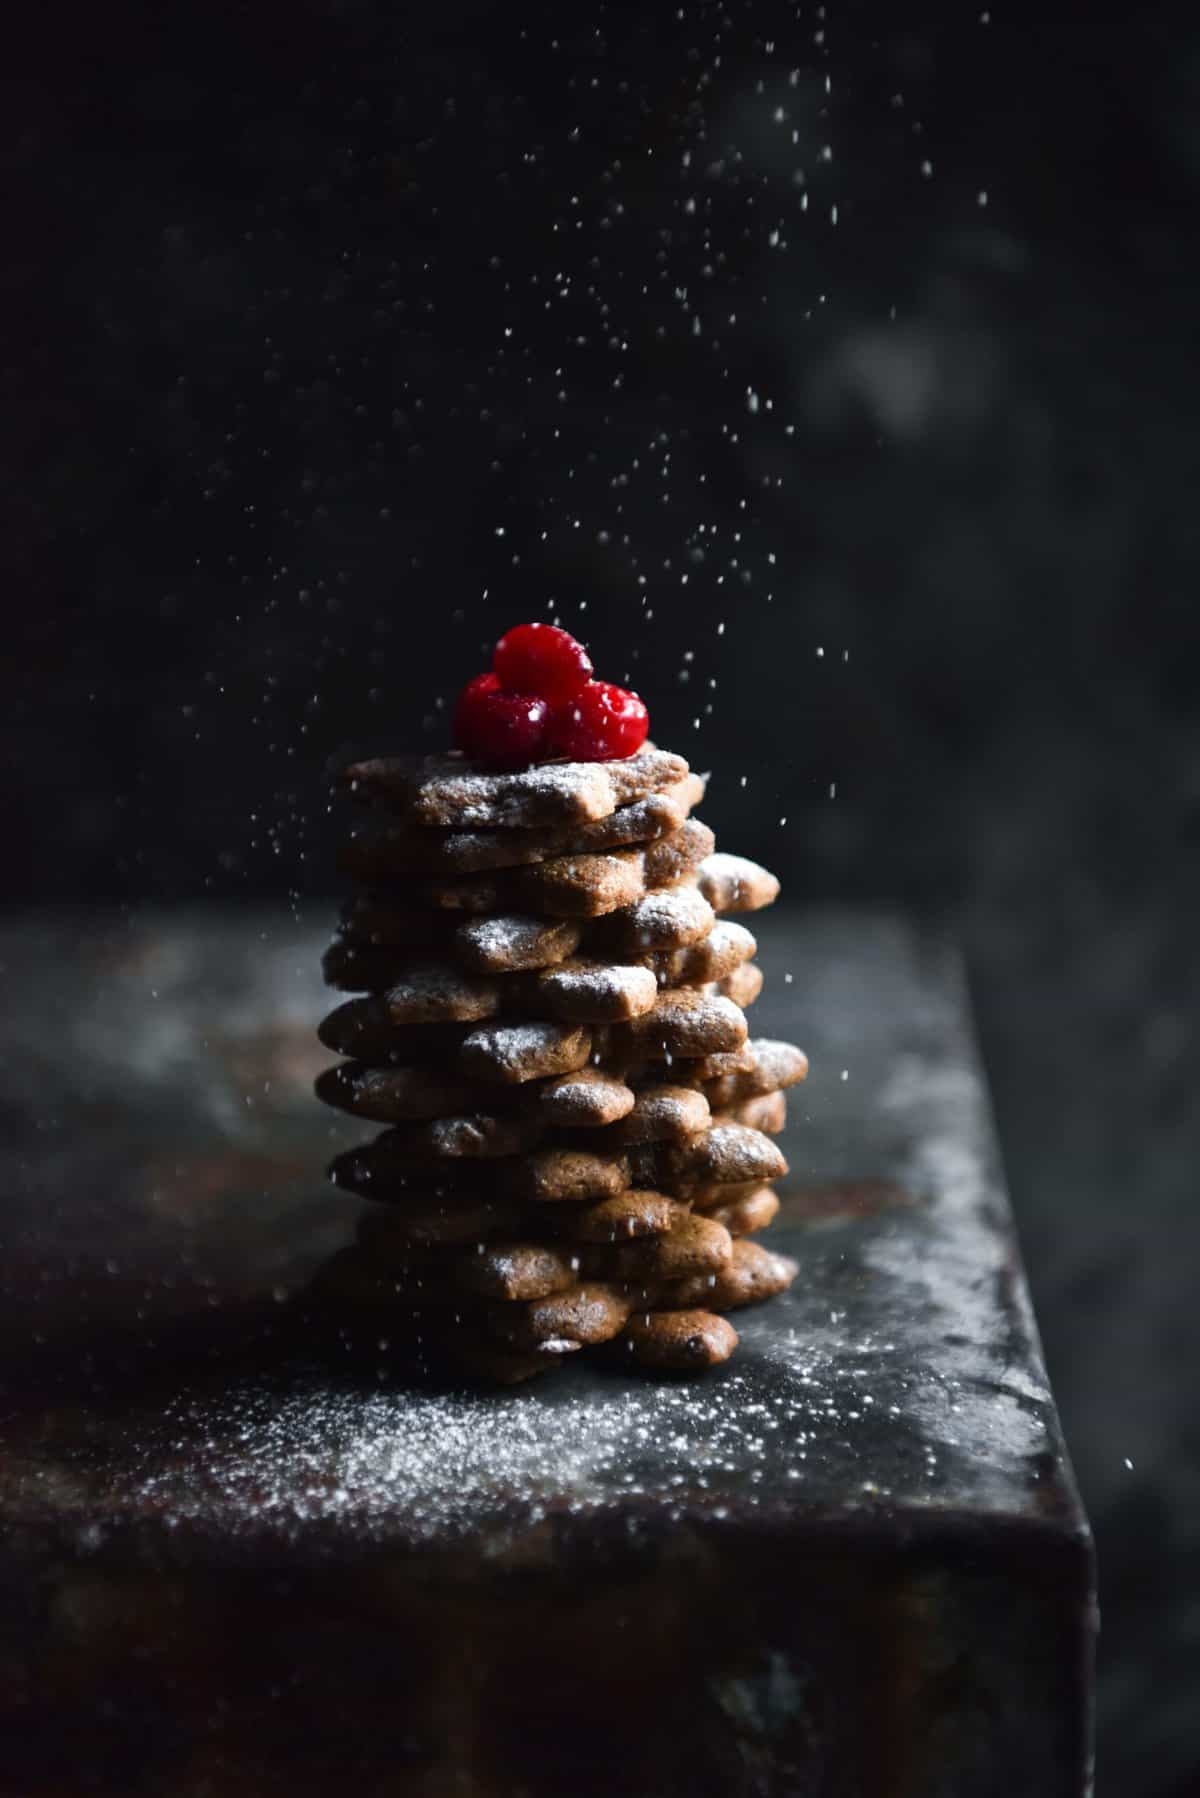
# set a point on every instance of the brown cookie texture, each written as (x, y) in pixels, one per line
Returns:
(472, 1136)
(753, 1209)
(510, 1054)
(726, 1154)
(743, 985)
(449, 791)
(569, 886)
(767, 1112)
(678, 1341)
(517, 1270)
(564, 1176)
(513, 942)
(588, 1099)
(592, 1312)
(477, 950)
(684, 1022)
(671, 858)
(725, 948)
(751, 1275)
(439, 993)
(379, 847)
(629, 1215)
(590, 992)
(669, 919)
(692, 1245)
(773, 1067)
(664, 1114)
(719, 1065)
(731, 883)
(583, 886)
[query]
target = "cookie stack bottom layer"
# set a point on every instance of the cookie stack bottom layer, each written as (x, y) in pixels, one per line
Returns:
(551, 1021)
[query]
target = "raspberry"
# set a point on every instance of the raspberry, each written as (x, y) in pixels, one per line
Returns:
(506, 729)
(541, 659)
(603, 723)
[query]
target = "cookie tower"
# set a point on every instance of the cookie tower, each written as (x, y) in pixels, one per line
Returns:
(551, 1022)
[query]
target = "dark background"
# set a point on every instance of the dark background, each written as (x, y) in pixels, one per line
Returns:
(339, 337)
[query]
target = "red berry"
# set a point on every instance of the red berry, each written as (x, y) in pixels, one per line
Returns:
(506, 729)
(541, 659)
(603, 723)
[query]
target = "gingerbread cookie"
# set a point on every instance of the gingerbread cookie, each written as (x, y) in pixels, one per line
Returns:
(768, 1112)
(510, 1054)
(751, 1275)
(589, 992)
(752, 1210)
(379, 848)
(630, 1214)
(743, 985)
(726, 947)
(591, 1312)
(731, 883)
(564, 1176)
(663, 1114)
(588, 1099)
(512, 942)
(670, 919)
(727, 1154)
(672, 858)
(678, 1341)
(516, 1271)
(693, 1245)
(449, 792)
(684, 1022)
(772, 1067)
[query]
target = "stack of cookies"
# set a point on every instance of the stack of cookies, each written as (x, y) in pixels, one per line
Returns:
(551, 1021)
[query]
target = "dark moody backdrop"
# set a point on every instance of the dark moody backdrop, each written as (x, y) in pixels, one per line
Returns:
(833, 370)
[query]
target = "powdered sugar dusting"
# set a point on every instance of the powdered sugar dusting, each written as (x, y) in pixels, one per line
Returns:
(448, 792)
(519, 1049)
(734, 1153)
(424, 1467)
(778, 1064)
(732, 883)
(513, 941)
(669, 919)
(633, 987)
(587, 1098)
(432, 992)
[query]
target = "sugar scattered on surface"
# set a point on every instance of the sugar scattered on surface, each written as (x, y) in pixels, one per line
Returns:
(427, 1466)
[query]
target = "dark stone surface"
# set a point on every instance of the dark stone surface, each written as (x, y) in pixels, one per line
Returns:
(237, 1553)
